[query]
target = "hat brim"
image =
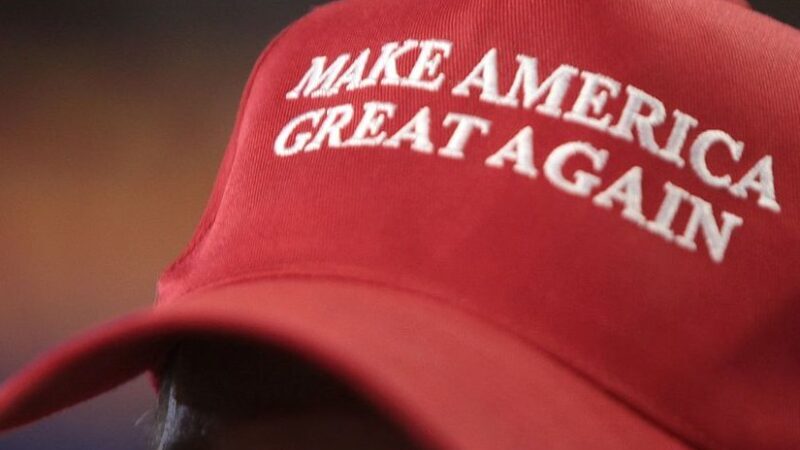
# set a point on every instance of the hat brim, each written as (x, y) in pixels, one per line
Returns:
(447, 377)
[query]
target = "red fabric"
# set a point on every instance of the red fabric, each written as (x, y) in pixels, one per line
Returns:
(455, 382)
(744, 3)
(696, 333)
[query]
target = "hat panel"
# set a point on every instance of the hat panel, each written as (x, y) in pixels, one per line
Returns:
(367, 178)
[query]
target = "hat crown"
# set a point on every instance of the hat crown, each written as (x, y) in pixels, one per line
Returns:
(512, 159)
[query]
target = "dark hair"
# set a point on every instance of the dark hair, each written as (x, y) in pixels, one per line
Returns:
(210, 381)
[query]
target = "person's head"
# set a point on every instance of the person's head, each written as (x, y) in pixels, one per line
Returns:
(513, 224)
(228, 394)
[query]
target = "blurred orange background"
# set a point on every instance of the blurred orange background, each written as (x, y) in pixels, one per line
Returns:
(113, 118)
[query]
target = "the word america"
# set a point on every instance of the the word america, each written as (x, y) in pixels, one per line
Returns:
(638, 121)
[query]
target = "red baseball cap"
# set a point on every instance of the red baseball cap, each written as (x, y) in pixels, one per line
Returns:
(511, 224)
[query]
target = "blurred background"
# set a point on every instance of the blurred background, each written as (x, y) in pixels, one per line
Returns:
(113, 118)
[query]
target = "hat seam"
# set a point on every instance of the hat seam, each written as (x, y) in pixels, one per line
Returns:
(209, 216)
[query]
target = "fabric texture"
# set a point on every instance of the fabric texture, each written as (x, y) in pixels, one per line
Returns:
(512, 224)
